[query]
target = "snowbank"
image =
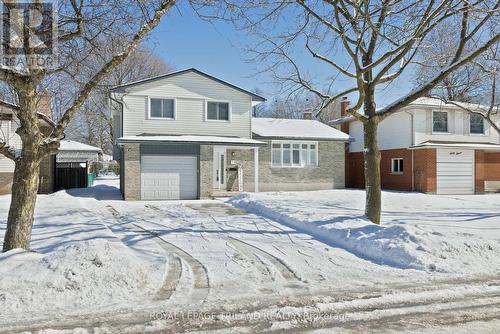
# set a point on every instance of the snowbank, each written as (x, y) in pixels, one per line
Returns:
(336, 217)
(78, 275)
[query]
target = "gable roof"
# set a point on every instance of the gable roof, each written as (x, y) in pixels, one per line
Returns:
(254, 96)
(428, 102)
(40, 115)
(71, 145)
(295, 128)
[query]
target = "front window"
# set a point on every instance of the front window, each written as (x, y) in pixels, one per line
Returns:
(397, 166)
(161, 108)
(218, 111)
(476, 124)
(440, 121)
(294, 154)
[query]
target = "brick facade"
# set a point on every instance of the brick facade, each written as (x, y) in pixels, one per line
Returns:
(403, 181)
(330, 174)
(486, 170)
(131, 172)
(479, 174)
(393, 181)
(6, 183)
(425, 170)
(492, 171)
(206, 173)
(492, 166)
(355, 170)
(46, 178)
(47, 175)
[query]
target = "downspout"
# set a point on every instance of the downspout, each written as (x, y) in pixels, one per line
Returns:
(412, 151)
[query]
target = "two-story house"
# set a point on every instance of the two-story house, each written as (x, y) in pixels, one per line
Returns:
(189, 135)
(431, 147)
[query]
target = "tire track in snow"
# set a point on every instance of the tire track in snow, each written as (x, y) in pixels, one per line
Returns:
(176, 255)
(432, 311)
(250, 251)
(172, 277)
(253, 251)
(259, 254)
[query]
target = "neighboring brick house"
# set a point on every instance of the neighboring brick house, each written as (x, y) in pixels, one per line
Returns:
(8, 125)
(430, 147)
(189, 135)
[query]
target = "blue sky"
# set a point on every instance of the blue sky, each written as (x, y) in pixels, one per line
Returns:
(184, 40)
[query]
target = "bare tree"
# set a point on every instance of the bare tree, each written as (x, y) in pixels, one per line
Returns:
(93, 123)
(79, 25)
(367, 43)
(472, 88)
(465, 85)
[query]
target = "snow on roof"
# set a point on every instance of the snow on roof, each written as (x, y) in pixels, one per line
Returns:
(71, 145)
(423, 102)
(295, 128)
(193, 139)
(471, 145)
(435, 102)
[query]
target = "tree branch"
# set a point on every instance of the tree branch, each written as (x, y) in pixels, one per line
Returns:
(7, 151)
(426, 88)
(114, 62)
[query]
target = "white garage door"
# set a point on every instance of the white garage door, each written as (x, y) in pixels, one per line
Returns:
(165, 177)
(455, 171)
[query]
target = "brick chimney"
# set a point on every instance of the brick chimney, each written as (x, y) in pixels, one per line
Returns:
(307, 114)
(344, 105)
(44, 105)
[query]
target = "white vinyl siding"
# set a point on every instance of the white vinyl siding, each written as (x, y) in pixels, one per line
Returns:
(8, 134)
(294, 154)
(455, 171)
(191, 92)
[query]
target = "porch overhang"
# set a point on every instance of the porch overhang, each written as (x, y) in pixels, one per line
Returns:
(457, 145)
(235, 142)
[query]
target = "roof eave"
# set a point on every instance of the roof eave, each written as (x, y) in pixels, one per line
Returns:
(167, 141)
(301, 138)
(121, 88)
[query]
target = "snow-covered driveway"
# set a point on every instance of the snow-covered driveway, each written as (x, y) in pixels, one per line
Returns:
(180, 266)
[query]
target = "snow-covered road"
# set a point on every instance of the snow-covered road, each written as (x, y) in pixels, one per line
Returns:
(206, 266)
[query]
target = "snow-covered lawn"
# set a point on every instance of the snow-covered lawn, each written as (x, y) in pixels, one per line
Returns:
(454, 234)
(77, 262)
(99, 262)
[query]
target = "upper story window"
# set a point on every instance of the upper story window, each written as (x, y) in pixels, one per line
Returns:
(161, 108)
(476, 124)
(294, 154)
(218, 111)
(397, 166)
(440, 121)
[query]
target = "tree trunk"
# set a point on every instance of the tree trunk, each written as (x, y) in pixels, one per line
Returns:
(372, 172)
(22, 205)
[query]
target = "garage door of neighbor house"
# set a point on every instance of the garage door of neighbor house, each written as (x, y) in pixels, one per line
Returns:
(169, 177)
(455, 171)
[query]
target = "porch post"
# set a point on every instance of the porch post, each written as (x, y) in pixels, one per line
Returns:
(256, 169)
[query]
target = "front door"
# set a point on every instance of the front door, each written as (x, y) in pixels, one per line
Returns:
(220, 168)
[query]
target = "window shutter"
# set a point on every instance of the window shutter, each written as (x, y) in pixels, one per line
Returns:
(428, 116)
(466, 123)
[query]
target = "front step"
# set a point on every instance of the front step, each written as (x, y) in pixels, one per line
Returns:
(216, 194)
